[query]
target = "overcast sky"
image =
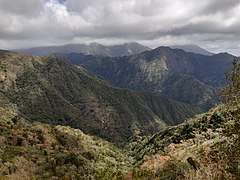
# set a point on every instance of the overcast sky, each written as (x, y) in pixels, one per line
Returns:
(211, 24)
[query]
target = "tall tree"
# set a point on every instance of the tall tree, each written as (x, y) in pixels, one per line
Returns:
(231, 95)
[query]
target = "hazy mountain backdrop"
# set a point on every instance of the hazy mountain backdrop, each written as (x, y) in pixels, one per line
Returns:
(92, 48)
(193, 48)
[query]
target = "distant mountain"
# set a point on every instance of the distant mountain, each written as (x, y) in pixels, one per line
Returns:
(51, 90)
(127, 49)
(185, 77)
(91, 49)
(194, 49)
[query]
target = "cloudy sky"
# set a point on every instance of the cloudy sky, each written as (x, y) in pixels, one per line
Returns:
(211, 24)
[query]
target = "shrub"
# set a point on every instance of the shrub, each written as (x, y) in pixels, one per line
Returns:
(109, 173)
(172, 170)
(139, 174)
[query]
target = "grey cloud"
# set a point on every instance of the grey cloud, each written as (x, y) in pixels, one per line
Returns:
(199, 28)
(22, 7)
(216, 6)
(207, 27)
(158, 22)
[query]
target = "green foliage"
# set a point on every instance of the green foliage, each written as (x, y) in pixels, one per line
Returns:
(66, 140)
(50, 151)
(28, 78)
(3, 67)
(57, 93)
(172, 170)
(10, 153)
(139, 174)
(51, 90)
(231, 95)
(70, 158)
(190, 78)
(216, 118)
(109, 173)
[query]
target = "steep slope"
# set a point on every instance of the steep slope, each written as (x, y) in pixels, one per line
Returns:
(51, 90)
(196, 149)
(165, 71)
(172, 112)
(193, 48)
(90, 49)
(204, 147)
(192, 150)
(42, 151)
(181, 87)
(210, 121)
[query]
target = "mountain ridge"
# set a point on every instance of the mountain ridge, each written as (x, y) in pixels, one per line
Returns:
(88, 49)
(193, 48)
(51, 90)
(151, 71)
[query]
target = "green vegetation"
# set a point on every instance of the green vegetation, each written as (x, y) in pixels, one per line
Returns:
(210, 140)
(231, 95)
(41, 151)
(57, 94)
(185, 77)
(51, 90)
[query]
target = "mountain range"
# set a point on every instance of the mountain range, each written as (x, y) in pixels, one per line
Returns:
(88, 49)
(182, 76)
(53, 115)
(51, 90)
(97, 49)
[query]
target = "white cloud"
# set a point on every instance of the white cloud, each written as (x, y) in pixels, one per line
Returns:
(212, 24)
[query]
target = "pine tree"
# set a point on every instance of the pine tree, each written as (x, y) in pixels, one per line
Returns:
(231, 96)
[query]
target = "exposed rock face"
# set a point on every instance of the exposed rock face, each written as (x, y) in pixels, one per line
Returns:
(154, 72)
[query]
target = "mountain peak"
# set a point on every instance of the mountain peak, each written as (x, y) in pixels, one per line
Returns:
(132, 44)
(95, 44)
(193, 48)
